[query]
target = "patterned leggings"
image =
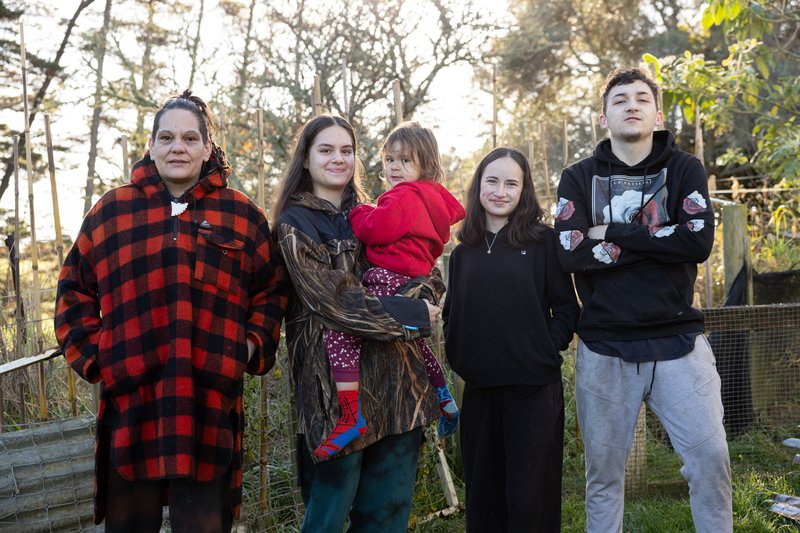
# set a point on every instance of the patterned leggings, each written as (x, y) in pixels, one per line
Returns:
(344, 351)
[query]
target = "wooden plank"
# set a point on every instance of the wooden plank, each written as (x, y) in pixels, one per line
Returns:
(785, 505)
(24, 362)
(448, 487)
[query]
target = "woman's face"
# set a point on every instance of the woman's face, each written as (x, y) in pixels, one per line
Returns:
(331, 163)
(501, 188)
(178, 150)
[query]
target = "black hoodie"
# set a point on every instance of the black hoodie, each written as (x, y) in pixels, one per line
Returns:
(639, 282)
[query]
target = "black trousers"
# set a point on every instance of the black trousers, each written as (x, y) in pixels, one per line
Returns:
(194, 507)
(512, 441)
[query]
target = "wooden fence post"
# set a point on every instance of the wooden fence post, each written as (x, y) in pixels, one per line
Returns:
(736, 247)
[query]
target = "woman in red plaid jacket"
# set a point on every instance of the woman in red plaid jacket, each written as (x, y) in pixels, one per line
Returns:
(172, 290)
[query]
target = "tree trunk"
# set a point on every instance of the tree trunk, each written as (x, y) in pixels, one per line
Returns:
(140, 143)
(100, 54)
(195, 44)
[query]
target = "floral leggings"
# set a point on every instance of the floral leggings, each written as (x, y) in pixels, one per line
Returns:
(344, 351)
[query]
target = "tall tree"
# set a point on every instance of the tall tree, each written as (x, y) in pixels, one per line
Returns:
(747, 94)
(379, 42)
(99, 57)
(144, 47)
(48, 70)
(556, 54)
(195, 44)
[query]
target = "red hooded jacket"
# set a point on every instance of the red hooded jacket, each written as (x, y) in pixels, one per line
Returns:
(407, 230)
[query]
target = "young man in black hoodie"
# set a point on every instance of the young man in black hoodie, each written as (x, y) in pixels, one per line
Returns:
(634, 220)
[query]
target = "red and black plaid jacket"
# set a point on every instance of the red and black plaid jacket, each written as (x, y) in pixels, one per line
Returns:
(158, 308)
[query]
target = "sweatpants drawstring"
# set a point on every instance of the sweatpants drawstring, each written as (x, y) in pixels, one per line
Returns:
(653, 378)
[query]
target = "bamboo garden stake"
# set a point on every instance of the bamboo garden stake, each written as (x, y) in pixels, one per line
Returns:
(37, 312)
(346, 103)
(14, 252)
(699, 152)
(531, 152)
(317, 96)
(398, 101)
(59, 243)
(15, 256)
(126, 164)
(51, 167)
(494, 104)
(545, 170)
(263, 462)
(262, 194)
(532, 163)
(223, 129)
(262, 445)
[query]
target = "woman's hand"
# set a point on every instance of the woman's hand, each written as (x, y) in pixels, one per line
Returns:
(433, 312)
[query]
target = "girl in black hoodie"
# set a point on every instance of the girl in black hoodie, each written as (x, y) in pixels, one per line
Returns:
(509, 311)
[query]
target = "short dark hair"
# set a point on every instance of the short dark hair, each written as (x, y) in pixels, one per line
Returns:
(193, 104)
(624, 76)
(205, 119)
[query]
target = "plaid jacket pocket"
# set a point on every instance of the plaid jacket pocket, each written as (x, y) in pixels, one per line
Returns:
(219, 261)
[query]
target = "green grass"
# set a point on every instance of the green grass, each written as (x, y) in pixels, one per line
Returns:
(760, 464)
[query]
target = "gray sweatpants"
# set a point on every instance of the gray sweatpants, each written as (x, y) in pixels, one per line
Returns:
(685, 395)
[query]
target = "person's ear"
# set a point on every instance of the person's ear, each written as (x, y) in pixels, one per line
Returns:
(207, 151)
(305, 163)
(660, 119)
(601, 119)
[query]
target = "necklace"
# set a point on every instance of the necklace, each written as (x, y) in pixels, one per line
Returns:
(488, 244)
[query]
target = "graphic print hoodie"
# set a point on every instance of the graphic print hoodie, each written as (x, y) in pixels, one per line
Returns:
(638, 283)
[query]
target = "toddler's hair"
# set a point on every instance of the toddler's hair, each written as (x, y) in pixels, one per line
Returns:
(419, 144)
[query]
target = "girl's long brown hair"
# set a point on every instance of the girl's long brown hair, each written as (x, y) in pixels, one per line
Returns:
(297, 179)
(526, 222)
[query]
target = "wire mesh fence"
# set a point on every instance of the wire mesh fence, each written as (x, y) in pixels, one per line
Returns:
(757, 349)
(46, 467)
